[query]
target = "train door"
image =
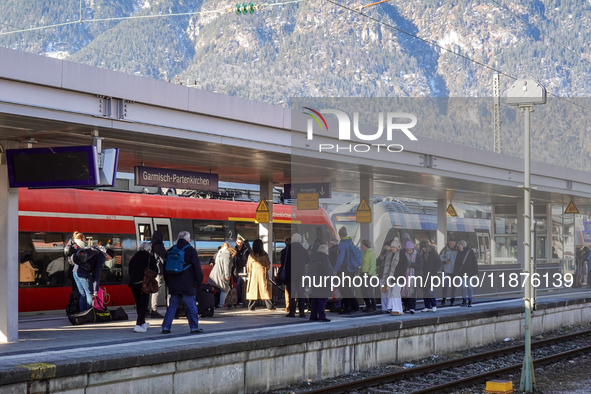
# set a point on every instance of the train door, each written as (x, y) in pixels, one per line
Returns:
(483, 239)
(144, 228)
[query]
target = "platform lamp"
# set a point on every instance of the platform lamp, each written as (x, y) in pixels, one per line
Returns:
(525, 94)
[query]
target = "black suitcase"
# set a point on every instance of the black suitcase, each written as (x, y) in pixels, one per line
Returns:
(205, 300)
(88, 316)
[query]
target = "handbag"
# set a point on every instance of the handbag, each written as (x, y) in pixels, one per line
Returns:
(150, 284)
(101, 314)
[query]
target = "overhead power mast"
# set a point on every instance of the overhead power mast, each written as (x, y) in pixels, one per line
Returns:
(497, 114)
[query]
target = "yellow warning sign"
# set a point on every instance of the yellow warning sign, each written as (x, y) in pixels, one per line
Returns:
(571, 208)
(262, 214)
(451, 211)
(363, 213)
(308, 201)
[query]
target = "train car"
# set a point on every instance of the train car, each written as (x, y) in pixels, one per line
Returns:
(47, 219)
(392, 219)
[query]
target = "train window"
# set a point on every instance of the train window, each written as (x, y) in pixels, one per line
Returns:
(113, 269)
(248, 231)
(42, 261)
(163, 228)
(209, 234)
(145, 231)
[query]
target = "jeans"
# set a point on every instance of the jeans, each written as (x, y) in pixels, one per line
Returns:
(448, 284)
(429, 297)
(175, 301)
(223, 295)
(318, 308)
(83, 284)
(467, 288)
(239, 289)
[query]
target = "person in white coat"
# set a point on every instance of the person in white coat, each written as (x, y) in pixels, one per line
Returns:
(391, 299)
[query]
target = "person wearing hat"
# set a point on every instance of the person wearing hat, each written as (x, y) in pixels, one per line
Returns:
(432, 265)
(391, 302)
(343, 267)
(448, 258)
(410, 265)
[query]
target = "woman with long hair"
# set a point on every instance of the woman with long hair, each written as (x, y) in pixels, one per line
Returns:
(257, 267)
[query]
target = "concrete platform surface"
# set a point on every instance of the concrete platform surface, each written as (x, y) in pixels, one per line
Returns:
(64, 350)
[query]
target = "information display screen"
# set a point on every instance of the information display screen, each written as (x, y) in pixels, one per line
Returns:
(52, 167)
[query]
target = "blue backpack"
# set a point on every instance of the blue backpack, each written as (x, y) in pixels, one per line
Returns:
(355, 257)
(175, 261)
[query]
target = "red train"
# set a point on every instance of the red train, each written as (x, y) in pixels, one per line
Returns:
(47, 219)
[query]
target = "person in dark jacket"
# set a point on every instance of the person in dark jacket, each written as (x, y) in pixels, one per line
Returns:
(587, 260)
(137, 265)
(240, 259)
(184, 285)
(283, 259)
(345, 269)
(431, 265)
(87, 272)
(295, 263)
(319, 267)
(466, 264)
(159, 252)
(409, 266)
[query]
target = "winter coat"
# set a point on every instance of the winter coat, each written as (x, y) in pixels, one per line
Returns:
(138, 264)
(319, 267)
(296, 261)
(368, 262)
(403, 265)
(390, 264)
(241, 258)
(186, 282)
(466, 263)
(221, 272)
(448, 254)
(333, 253)
(344, 257)
(258, 287)
(431, 262)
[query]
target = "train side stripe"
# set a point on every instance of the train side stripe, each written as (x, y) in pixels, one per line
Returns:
(73, 215)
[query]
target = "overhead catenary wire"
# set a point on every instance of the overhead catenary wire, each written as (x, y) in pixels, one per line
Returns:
(224, 10)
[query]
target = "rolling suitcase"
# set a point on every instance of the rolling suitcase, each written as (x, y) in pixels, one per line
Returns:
(205, 300)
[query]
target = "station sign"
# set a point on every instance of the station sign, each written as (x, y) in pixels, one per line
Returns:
(292, 190)
(262, 215)
(363, 212)
(177, 179)
(308, 201)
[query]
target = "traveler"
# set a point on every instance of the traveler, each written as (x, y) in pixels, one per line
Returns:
(182, 285)
(221, 273)
(466, 264)
(258, 286)
(295, 263)
(431, 265)
(141, 260)
(284, 252)
(368, 267)
(391, 299)
(345, 268)
(448, 258)
(319, 267)
(88, 267)
(410, 266)
(242, 252)
(159, 252)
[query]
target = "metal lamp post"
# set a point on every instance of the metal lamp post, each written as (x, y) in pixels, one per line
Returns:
(525, 94)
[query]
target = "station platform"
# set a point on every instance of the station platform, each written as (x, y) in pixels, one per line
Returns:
(244, 351)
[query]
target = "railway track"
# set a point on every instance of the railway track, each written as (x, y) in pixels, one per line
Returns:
(464, 371)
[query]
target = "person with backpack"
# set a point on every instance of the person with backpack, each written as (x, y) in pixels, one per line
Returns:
(137, 265)
(183, 276)
(348, 262)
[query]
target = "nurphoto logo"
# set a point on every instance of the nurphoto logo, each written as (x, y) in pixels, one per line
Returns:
(345, 130)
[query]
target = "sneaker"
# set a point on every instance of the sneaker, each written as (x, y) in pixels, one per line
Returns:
(434, 309)
(427, 310)
(165, 331)
(145, 326)
(139, 329)
(314, 319)
(197, 331)
(411, 311)
(271, 309)
(325, 320)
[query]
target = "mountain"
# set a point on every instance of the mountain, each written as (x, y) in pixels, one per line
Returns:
(320, 49)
